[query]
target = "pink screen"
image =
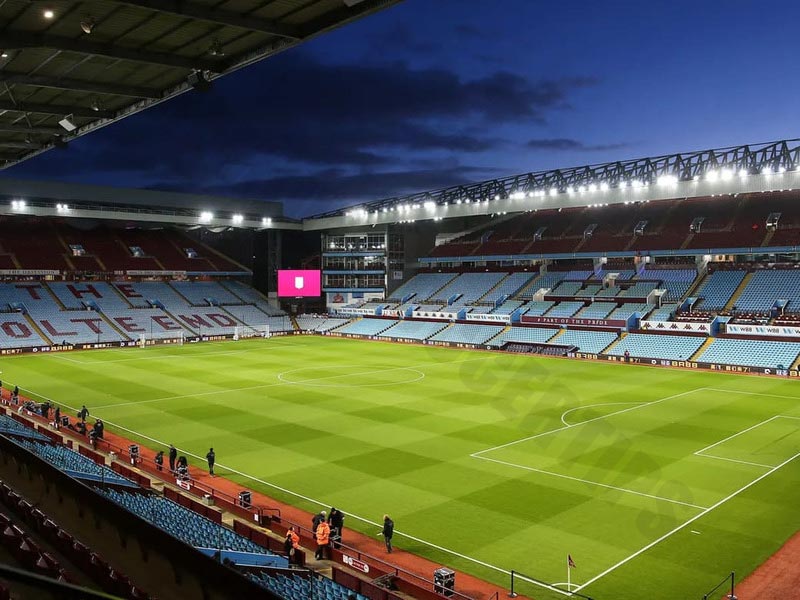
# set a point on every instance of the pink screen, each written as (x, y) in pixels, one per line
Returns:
(293, 283)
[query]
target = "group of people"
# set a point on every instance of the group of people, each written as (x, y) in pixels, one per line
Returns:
(327, 531)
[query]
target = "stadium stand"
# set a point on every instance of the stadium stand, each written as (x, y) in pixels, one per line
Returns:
(413, 330)
(11, 426)
(469, 287)
(293, 586)
(467, 334)
(767, 286)
(657, 346)
(596, 310)
(586, 341)
(534, 335)
(422, 286)
(564, 309)
(751, 353)
(717, 289)
(366, 326)
(72, 463)
(183, 523)
(509, 286)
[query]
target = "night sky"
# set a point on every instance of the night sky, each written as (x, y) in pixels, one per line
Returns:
(433, 93)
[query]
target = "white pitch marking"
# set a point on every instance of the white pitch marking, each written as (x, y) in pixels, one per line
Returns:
(753, 393)
(603, 485)
(687, 523)
(730, 437)
(566, 412)
(551, 431)
(318, 502)
(736, 460)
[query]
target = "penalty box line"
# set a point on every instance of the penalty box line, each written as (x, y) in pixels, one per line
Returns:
(703, 451)
(687, 523)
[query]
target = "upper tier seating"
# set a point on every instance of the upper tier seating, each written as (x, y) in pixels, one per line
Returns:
(566, 288)
(142, 293)
(751, 353)
(663, 313)
(183, 523)
(251, 296)
(669, 347)
(414, 330)
(586, 341)
(626, 311)
(639, 290)
(761, 292)
(422, 286)
(510, 285)
(469, 287)
(468, 334)
(538, 308)
(507, 307)
(545, 281)
(718, 288)
(596, 310)
(77, 295)
(564, 309)
(199, 292)
(676, 281)
(367, 326)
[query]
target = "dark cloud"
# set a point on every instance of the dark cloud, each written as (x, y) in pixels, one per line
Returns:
(305, 194)
(559, 144)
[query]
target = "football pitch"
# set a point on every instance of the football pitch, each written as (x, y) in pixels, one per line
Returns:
(657, 482)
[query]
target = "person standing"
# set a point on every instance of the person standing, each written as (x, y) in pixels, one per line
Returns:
(173, 455)
(388, 532)
(323, 536)
(318, 518)
(336, 521)
(291, 546)
(160, 460)
(57, 417)
(211, 457)
(83, 413)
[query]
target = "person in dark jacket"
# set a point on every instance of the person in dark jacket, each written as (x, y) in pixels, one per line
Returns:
(211, 458)
(388, 532)
(173, 456)
(83, 413)
(160, 460)
(318, 518)
(57, 417)
(336, 521)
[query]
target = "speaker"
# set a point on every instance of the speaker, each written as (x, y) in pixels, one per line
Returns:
(244, 499)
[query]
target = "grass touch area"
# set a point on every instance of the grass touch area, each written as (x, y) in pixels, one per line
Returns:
(658, 482)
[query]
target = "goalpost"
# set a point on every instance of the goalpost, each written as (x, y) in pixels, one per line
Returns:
(243, 332)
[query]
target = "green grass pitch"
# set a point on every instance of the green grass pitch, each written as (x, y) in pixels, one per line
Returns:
(658, 482)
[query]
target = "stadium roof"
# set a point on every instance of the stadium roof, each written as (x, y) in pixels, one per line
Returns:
(68, 68)
(732, 170)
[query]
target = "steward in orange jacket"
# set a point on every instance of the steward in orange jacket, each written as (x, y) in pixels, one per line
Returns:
(323, 539)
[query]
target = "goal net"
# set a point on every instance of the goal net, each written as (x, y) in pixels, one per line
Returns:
(243, 332)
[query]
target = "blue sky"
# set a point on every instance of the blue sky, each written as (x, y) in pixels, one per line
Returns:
(437, 92)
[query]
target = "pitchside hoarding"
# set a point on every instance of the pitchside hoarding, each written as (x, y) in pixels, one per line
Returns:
(295, 283)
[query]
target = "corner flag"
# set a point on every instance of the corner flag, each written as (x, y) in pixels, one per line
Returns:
(570, 562)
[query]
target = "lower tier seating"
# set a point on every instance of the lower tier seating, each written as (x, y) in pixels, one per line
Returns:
(669, 347)
(771, 355)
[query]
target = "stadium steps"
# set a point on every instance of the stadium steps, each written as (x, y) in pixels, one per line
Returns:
(505, 330)
(209, 250)
(614, 343)
(55, 298)
(796, 363)
(179, 322)
(768, 238)
(738, 292)
(68, 260)
(556, 336)
(36, 328)
(687, 241)
(177, 291)
(695, 285)
(581, 244)
(524, 290)
(114, 287)
(702, 348)
(499, 283)
(67, 251)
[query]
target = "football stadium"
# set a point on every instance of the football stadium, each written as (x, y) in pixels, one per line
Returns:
(568, 383)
